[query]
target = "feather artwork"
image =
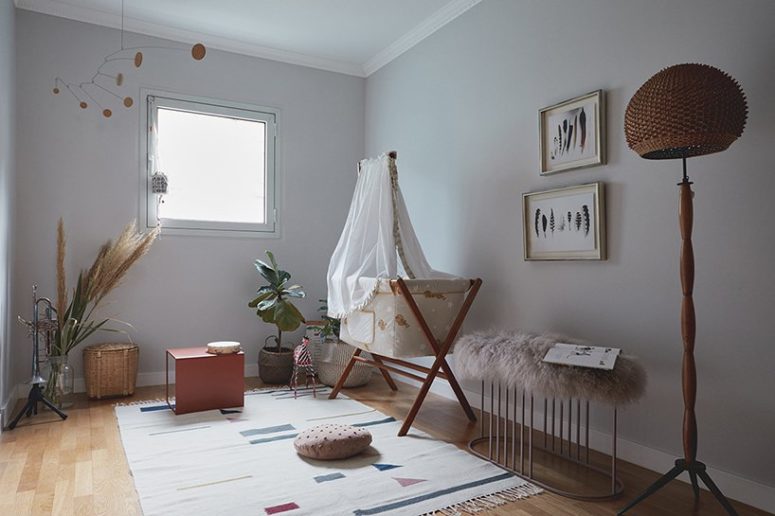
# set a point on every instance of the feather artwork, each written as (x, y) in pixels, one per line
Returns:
(576, 132)
(544, 222)
(564, 134)
(559, 133)
(570, 133)
(537, 220)
(585, 212)
(578, 221)
(551, 220)
(583, 128)
(570, 223)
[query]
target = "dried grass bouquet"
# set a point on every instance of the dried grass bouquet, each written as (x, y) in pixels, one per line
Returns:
(113, 260)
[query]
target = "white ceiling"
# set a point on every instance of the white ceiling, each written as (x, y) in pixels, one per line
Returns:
(356, 37)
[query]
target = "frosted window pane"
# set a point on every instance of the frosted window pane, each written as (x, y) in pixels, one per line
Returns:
(215, 166)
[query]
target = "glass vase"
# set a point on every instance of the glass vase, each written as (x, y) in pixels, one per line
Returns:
(60, 381)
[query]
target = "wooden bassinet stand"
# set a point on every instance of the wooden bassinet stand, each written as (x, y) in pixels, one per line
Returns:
(438, 343)
(440, 367)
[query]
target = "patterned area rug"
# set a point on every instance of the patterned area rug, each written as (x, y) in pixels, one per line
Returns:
(242, 461)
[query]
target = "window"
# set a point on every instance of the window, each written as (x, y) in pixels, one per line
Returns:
(219, 163)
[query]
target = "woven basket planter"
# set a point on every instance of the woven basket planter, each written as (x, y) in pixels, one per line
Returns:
(331, 358)
(110, 369)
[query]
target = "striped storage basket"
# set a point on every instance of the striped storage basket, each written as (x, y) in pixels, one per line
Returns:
(330, 359)
(110, 369)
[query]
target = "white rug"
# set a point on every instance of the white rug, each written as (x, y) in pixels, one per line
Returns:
(242, 461)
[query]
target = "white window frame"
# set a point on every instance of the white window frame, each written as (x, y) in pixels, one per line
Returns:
(155, 99)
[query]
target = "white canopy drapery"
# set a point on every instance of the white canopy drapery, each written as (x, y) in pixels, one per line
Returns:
(376, 232)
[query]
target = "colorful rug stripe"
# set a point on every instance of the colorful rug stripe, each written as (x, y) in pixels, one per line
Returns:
(411, 501)
(214, 482)
(281, 508)
(327, 478)
(272, 439)
(378, 422)
(268, 430)
(154, 408)
(180, 430)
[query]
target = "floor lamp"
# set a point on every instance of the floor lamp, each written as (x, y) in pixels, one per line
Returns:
(683, 111)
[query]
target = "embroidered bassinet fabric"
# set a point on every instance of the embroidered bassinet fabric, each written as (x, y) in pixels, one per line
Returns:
(387, 327)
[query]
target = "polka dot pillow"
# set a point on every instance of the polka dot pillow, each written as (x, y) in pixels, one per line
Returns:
(332, 441)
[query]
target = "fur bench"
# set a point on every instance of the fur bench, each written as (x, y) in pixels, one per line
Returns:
(516, 359)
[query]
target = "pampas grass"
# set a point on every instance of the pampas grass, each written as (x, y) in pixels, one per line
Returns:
(107, 271)
(61, 280)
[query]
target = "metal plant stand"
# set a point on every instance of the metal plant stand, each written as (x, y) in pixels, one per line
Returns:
(47, 324)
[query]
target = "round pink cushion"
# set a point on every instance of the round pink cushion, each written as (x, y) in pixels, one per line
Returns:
(332, 441)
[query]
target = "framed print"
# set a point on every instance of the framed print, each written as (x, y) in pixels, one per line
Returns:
(572, 133)
(565, 224)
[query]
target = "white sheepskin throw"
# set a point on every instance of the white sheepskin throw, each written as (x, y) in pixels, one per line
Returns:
(516, 359)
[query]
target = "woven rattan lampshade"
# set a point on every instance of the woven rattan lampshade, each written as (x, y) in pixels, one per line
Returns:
(685, 110)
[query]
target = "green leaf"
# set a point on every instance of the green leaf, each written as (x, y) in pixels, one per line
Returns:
(283, 277)
(268, 304)
(261, 297)
(287, 317)
(267, 316)
(297, 313)
(271, 259)
(90, 328)
(294, 291)
(267, 272)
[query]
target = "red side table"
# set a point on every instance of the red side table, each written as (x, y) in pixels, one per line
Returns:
(204, 381)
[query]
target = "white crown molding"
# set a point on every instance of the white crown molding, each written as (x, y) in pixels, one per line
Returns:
(109, 19)
(427, 27)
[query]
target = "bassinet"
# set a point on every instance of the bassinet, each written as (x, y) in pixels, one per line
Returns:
(382, 313)
(387, 326)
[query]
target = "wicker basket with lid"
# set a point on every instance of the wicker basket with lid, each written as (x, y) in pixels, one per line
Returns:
(110, 369)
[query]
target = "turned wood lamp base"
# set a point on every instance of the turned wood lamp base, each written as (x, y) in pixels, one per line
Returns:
(689, 370)
(695, 469)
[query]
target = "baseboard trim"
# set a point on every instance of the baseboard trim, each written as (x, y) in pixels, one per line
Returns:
(734, 486)
(9, 403)
(143, 380)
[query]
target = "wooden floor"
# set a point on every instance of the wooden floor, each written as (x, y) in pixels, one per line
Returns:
(78, 466)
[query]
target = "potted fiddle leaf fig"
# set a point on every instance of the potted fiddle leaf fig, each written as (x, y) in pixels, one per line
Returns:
(274, 306)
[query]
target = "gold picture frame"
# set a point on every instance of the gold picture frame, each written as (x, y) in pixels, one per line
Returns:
(572, 133)
(565, 223)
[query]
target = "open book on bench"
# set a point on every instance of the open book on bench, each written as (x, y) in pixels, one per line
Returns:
(582, 356)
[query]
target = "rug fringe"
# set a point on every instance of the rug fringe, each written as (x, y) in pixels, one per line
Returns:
(491, 501)
(141, 402)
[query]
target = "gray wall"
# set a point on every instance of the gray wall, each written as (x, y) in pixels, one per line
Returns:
(76, 164)
(462, 107)
(7, 173)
